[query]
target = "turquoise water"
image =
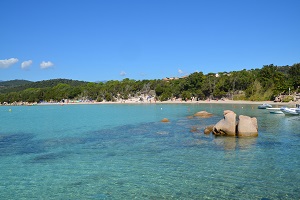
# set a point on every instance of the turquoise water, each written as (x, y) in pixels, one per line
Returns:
(125, 152)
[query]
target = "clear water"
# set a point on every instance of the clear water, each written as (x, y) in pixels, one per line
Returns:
(125, 152)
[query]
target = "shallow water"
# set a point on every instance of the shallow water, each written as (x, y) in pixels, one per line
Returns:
(125, 152)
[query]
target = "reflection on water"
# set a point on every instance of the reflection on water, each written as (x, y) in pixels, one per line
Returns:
(234, 143)
(246, 143)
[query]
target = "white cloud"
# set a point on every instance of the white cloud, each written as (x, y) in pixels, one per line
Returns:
(122, 73)
(26, 64)
(46, 65)
(180, 71)
(8, 62)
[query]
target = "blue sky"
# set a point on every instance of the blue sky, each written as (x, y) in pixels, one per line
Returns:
(98, 40)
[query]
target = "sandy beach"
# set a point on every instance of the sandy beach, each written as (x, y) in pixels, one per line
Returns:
(136, 101)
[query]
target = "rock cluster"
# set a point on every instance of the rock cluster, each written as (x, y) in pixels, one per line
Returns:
(228, 126)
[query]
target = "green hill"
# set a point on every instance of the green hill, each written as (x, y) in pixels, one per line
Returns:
(255, 85)
(19, 85)
(13, 83)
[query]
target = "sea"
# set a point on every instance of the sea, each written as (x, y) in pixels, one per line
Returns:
(124, 151)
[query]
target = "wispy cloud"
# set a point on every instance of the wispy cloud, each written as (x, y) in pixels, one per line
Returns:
(122, 73)
(26, 64)
(46, 65)
(7, 62)
(180, 71)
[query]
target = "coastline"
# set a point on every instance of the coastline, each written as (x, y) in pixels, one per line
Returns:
(135, 101)
(152, 101)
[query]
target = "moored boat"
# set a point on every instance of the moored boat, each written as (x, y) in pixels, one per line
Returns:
(264, 106)
(275, 110)
(289, 111)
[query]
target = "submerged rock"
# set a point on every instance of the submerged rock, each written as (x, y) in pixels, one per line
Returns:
(165, 120)
(194, 129)
(208, 129)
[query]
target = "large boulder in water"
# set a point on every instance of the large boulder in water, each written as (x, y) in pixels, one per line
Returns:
(226, 126)
(203, 114)
(247, 126)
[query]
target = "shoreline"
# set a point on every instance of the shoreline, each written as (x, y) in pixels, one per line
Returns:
(238, 102)
(137, 101)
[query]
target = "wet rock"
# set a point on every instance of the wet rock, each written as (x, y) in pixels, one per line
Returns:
(165, 120)
(208, 129)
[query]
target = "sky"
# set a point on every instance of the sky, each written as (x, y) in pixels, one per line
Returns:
(97, 40)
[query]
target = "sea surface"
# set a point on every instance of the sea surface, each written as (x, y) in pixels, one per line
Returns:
(121, 151)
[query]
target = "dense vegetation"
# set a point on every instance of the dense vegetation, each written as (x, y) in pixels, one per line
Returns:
(20, 85)
(13, 83)
(255, 84)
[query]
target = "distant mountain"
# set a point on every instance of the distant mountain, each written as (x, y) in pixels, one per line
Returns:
(54, 82)
(14, 83)
(19, 85)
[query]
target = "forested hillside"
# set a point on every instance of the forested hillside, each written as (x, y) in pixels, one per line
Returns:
(255, 84)
(13, 83)
(19, 85)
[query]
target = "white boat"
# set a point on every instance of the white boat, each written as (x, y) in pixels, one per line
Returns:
(289, 111)
(275, 110)
(264, 106)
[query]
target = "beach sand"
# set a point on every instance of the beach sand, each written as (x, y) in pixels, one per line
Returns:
(136, 101)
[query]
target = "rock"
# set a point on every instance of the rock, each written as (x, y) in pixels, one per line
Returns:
(226, 126)
(203, 114)
(208, 129)
(277, 99)
(227, 111)
(165, 120)
(247, 127)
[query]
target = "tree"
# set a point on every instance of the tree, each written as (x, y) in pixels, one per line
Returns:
(91, 90)
(294, 75)
(186, 95)
(32, 95)
(61, 91)
(254, 84)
